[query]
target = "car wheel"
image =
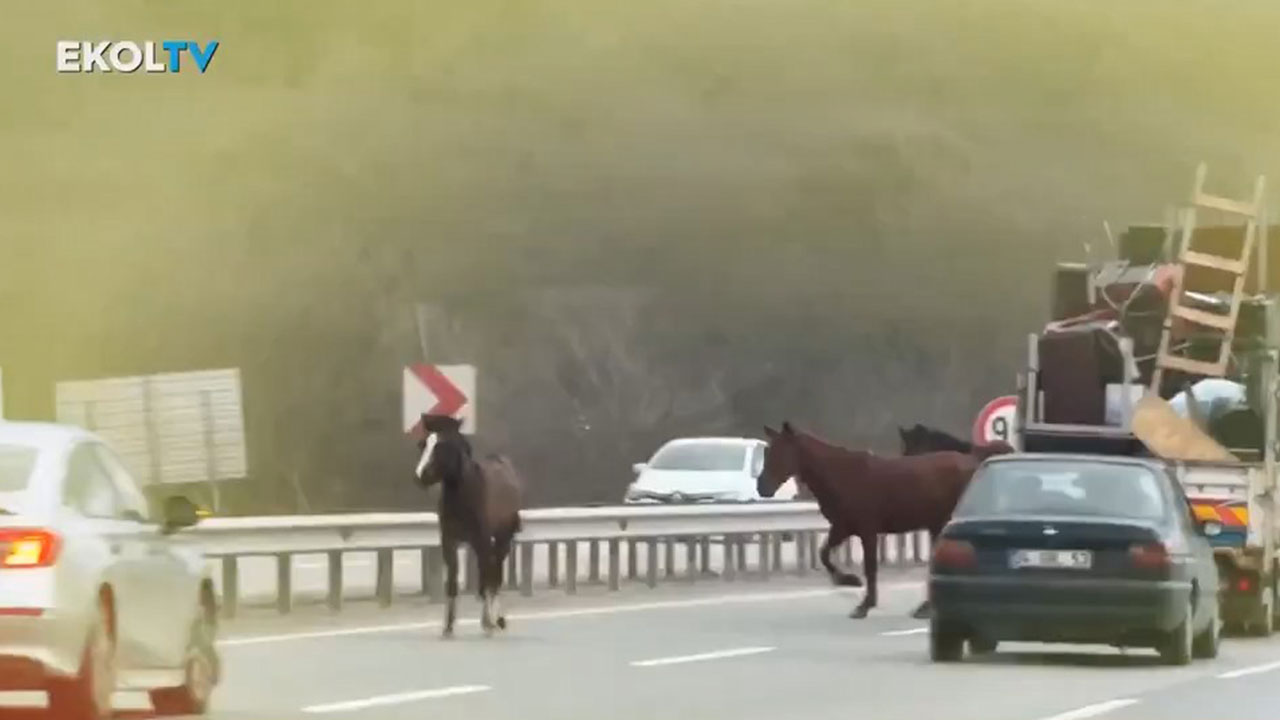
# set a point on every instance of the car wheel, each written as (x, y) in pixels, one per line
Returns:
(945, 644)
(980, 645)
(87, 696)
(1176, 646)
(1206, 643)
(200, 672)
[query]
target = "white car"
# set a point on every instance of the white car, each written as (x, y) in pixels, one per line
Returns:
(704, 470)
(96, 593)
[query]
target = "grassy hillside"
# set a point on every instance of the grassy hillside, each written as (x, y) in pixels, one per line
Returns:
(856, 194)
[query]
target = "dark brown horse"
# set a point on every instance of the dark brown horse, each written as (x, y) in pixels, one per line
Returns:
(920, 439)
(479, 505)
(863, 495)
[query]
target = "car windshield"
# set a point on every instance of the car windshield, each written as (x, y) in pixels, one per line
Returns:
(699, 456)
(16, 464)
(1064, 488)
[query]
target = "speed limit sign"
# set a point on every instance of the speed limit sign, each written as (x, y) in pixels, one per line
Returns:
(995, 421)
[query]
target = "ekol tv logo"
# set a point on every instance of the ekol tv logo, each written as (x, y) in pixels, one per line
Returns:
(163, 56)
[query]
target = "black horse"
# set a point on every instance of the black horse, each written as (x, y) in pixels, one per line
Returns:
(479, 505)
(920, 439)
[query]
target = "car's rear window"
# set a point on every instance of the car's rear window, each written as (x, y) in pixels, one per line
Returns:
(1042, 487)
(16, 464)
(700, 456)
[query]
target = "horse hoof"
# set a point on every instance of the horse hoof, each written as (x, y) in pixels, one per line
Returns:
(922, 613)
(502, 623)
(849, 581)
(858, 613)
(446, 634)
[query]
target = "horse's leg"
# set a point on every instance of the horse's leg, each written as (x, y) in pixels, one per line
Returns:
(839, 577)
(870, 562)
(484, 561)
(501, 548)
(925, 610)
(449, 546)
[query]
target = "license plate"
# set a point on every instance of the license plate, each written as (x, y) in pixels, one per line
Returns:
(1064, 559)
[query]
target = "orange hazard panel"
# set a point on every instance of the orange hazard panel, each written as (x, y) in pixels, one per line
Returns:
(1230, 512)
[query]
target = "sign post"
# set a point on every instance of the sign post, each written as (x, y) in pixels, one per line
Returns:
(995, 421)
(440, 390)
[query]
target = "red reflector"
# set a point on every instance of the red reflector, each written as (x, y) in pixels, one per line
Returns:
(1149, 555)
(1244, 584)
(954, 554)
(21, 612)
(27, 547)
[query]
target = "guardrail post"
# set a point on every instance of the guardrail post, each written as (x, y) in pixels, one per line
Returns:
(230, 585)
(741, 542)
(802, 555)
(762, 562)
(385, 578)
(813, 551)
(335, 580)
(432, 568)
(471, 581)
(571, 567)
(902, 548)
(704, 549)
(615, 563)
(512, 579)
(593, 561)
(553, 563)
(846, 552)
(633, 570)
(669, 557)
(651, 572)
(882, 547)
(922, 548)
(730, 564)
(526, 569)
(777, 552)
(691, 558)
(284, 582)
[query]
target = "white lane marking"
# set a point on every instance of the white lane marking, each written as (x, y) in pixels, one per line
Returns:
(747, 598)
(714, 655)
(911, 631)
(1252, 670)
(395, 699)
(1094, 710)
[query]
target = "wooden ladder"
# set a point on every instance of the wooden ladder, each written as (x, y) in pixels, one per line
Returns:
(1252, 212)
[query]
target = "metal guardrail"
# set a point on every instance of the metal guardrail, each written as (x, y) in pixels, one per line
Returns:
(776, 531)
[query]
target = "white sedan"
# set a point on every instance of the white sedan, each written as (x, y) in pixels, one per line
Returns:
(97, 594)
(704, 469)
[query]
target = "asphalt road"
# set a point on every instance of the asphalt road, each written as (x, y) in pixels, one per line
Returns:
(782, 649)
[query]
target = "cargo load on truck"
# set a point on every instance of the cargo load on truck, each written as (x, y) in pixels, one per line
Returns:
(1169, 350)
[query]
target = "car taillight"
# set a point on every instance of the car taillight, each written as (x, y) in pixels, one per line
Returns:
(954, 554)
(1244, 584)
(1150, 556)
(26, 548)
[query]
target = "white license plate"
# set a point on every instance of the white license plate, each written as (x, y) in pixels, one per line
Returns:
(1066, 559)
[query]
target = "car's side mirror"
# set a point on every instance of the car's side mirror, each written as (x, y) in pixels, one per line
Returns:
(639, 468)
(179, 512)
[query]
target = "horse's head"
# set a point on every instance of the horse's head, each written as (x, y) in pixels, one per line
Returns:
(444, 451)
(781, 460)
(916, 440)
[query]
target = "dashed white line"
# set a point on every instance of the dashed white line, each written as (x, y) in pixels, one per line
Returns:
(395, 699)
(1094, 710)
(736, 599)
(1252, 670)
(909, 631)
(700, 657)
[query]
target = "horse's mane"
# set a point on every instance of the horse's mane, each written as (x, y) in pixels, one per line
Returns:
(944, 440)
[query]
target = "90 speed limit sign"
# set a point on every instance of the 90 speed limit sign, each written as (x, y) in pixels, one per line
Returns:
(995, 421)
